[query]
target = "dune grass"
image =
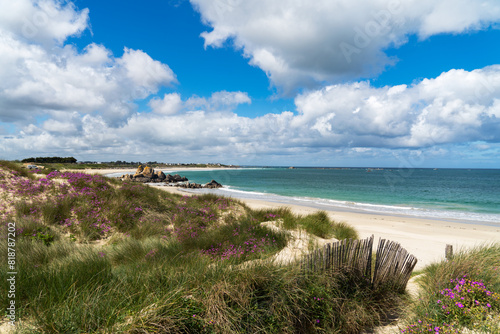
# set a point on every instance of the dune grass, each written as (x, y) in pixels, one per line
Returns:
(149, 286)
(318, 223)
(100, 256)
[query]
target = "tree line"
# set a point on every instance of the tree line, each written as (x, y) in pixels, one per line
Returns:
(68, 160)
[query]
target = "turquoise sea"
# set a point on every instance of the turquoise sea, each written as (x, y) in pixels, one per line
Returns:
(469, 195)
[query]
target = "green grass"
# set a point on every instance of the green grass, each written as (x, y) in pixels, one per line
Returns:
(165, 263)
(124, 290)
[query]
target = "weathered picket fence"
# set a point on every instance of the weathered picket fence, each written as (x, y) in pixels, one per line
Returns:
(393, 264)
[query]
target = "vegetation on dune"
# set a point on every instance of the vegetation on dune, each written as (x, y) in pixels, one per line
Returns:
(97, 255)
(458, 296)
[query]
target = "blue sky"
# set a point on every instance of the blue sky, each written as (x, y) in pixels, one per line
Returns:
(283, 82)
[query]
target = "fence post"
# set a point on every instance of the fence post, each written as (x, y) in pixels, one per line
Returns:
(448, 252)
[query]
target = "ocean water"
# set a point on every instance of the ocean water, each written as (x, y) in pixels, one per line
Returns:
(468, 195)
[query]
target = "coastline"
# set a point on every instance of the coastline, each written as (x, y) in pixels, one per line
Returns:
(106, 171)
(425, 238)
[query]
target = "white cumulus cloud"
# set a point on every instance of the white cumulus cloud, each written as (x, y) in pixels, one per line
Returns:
(456, 107)
(40, 75)
(42, 21)
(353, 120)
(223, 100)
(57, 100)
(299, 43)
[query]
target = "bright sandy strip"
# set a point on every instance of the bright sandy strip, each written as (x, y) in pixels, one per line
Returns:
(424, 238)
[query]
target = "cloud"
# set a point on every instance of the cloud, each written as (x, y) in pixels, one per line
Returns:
(40, 76)
(58, 100)
(350, 121)
(42, 21)
(219, 101)
(303, 43)
(456, 107)
(169, 105)
(144, 73)
(222, 100)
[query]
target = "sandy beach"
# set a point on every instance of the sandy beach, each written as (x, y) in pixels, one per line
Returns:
(424, 238)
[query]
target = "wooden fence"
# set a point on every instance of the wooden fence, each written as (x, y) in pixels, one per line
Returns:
(393, 264)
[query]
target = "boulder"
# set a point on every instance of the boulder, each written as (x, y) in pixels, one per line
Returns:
(212, 185)
(142, 179)
(139, 170)
(160, 175)
(178, 178)
(148, 172)
(190, 185)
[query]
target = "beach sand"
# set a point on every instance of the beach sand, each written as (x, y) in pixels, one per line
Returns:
(424, 238)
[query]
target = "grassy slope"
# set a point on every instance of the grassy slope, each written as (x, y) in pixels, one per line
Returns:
(98, 255)
(459, 296)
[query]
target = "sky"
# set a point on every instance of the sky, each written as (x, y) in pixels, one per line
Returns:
(361, 83)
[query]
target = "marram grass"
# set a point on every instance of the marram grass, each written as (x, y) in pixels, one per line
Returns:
(461, 295)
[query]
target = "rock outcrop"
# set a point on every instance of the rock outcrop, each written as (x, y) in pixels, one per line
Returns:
(212, 185)
(176, 178)
(147, 175)
(139, 170)
(148, 172)
(160, 175)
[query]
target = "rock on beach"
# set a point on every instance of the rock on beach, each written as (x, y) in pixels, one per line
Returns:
(149, 175)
